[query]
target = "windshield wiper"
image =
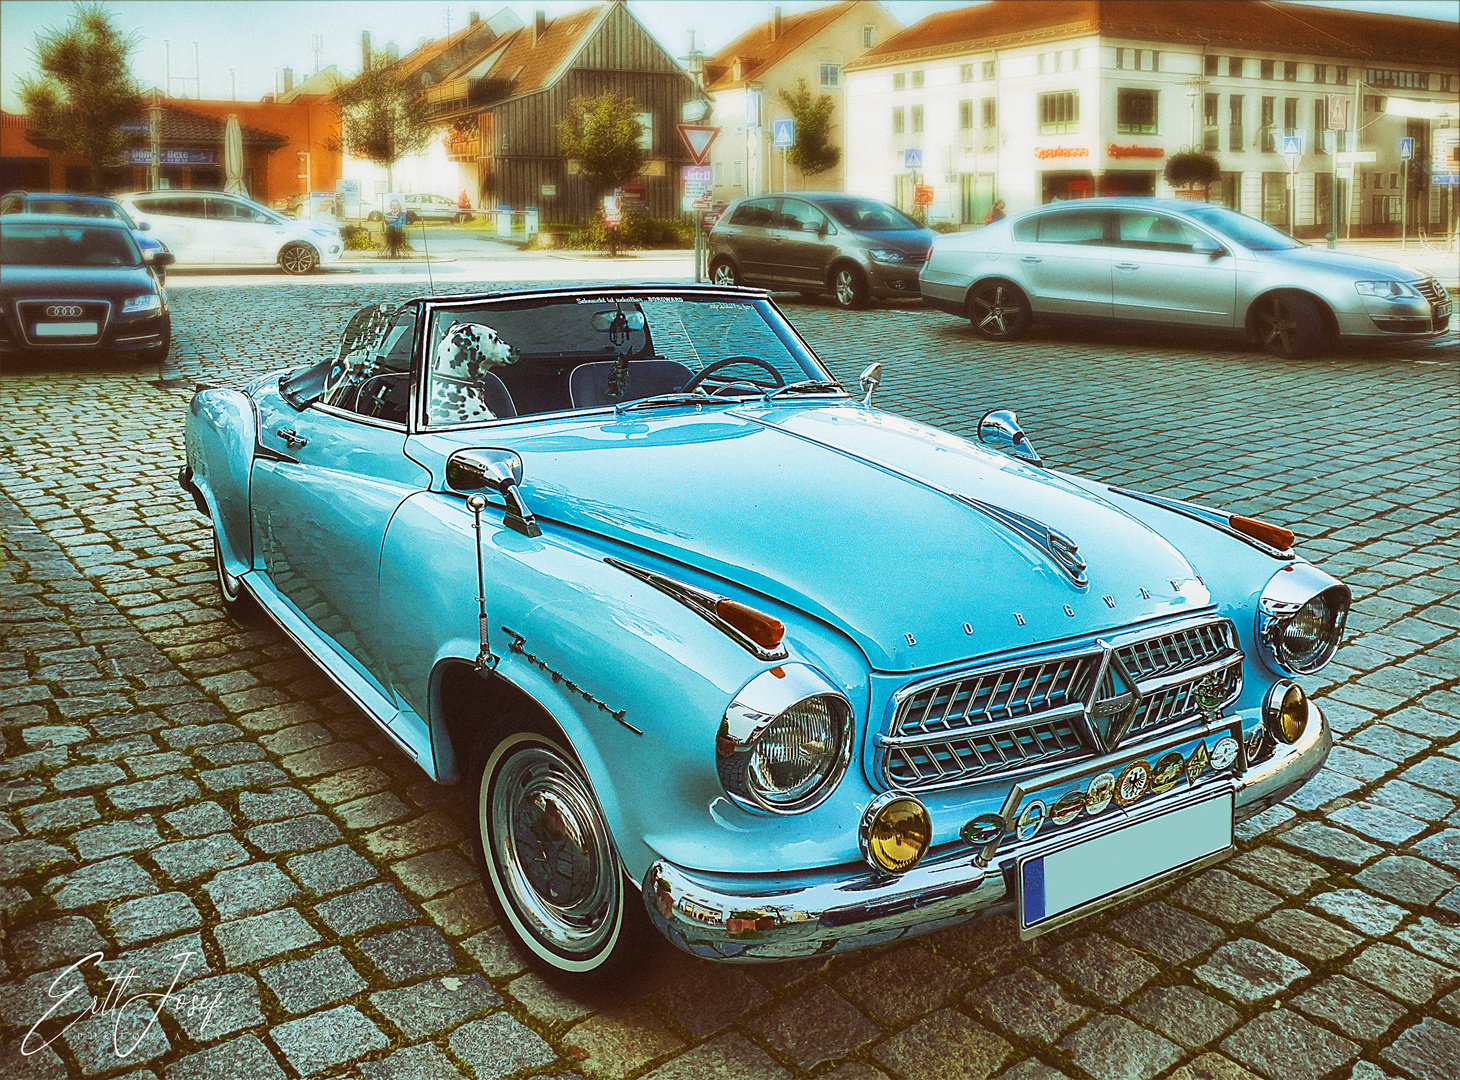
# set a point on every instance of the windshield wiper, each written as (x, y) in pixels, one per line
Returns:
(807, 386)
(664, 400)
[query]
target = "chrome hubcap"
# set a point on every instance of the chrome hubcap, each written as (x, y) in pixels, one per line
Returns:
(844, 290)
(552, 849)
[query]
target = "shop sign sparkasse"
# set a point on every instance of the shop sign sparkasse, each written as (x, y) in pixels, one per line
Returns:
(1061, 151)
(1134, 151)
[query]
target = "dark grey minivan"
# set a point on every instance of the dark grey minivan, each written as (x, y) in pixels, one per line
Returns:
(820, 241)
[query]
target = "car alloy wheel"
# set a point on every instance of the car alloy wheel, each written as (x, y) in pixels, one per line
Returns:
(1288, 325)
(550, 865)
(723, 273)
(849, 287)
(297, 259)
(998, 311)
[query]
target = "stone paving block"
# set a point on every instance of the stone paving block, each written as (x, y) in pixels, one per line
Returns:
(321, 978)
(1281, 1045)
(813, 1027)
(1378, 823)
(704, 999)
(1114, 1048)
(422, 834)
(250, 890)
(1434, 939)
(493, 953)
(1028, 1069)
(1407, 880)
(275, 805)
(44, 1000)
(1443, 848)
(22, 858)
(248, 774)
(410, 952)
(1277, 868)
(101, 841)
(1402, 973)
(58, 942)
(242, 1057)
(199, 819)
(422, 1062)
(946, 1044)
(43, 1064)
(1184, 1014)
(156, 966)
(1359, 1012)
(1388, 742)
(1214, 1067)
(430, 1007)
(153, 765)
(1100, 966)
(434, 872)
(902, 984)
(1365, 913)
(326, 759)
(1250, 971)
(462, 912)
(545, 1003)
(499, 1045)
(232, 753)
(61, 814)
(1357, 764)
(79, 777)
(259, 937)
(1410, 799)
(1322, 790)
(296, 834)
(1326, 842)
(1028, 1004)
(352, 784)
(323, 1040)
(330, 870)
(365, 909)
(373, 810)
(152, 917)
(111, 879)
(187, 860)
(164, 791)
(1438, 773)
(194, 735)
(1309, 935)
(732, 1057)
(1225, 897)
(291, 740)
(98, 1041)
(1427, 1051)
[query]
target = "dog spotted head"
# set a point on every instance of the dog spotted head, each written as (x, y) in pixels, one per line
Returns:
(469, 349)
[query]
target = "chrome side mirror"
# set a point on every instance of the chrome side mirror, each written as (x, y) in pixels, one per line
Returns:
(500, 470)
(1000, 429)
(870, 380)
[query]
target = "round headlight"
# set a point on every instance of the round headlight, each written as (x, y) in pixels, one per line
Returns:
(1286, 712)
(1307, 640)
(896, 831)
(785, 741)
(1300, 619)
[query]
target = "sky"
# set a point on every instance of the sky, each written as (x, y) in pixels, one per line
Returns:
(247, 42)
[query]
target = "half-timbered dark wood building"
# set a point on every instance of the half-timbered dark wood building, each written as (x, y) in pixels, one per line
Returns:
(503, 107)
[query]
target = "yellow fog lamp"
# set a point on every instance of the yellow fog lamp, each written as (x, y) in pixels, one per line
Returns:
(895, 833)
(1286, 712)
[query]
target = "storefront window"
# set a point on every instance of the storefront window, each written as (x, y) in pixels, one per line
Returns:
(1135, 112)
(1059, 114)
(1275, 198)
(1269, 136)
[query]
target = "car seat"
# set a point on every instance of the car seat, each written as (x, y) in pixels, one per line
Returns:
(588, 383)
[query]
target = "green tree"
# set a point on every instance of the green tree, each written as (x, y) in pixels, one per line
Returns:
(602, 135)
(812, 153)
(1192, 168)
(382, 118)
(86, 91)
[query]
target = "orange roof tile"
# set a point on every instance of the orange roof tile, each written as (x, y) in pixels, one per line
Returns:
(756, 45)
(527, 66)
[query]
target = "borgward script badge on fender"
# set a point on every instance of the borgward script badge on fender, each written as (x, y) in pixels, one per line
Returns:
(1111, 702)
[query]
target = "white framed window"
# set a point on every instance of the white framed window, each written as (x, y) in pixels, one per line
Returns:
(899, 81)
(869, 36)
(831, 76)
(737, 172)
(719, 167)
(965, 73)
(646, 135)
(917, 79)
(988, 69)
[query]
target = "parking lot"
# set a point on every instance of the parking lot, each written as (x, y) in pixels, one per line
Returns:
(175, 783)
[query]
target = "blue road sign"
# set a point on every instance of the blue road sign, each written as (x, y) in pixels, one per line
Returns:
(1293, 145)
(783, 132)
(912, 158)
(1406, 148)
(1446, 179)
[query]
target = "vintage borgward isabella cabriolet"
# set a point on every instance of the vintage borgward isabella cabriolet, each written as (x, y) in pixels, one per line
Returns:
(729, 652)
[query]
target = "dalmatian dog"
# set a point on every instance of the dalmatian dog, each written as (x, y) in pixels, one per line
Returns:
(465, 354)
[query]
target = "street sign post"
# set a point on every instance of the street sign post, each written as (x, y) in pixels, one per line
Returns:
(698, 138)
(1293, 151)
(1406, 148)
(783, 132)
(912, 158)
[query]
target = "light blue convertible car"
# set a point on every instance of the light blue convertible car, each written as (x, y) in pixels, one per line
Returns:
(729, 652)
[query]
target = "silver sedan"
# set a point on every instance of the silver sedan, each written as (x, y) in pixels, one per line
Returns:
(1167, 263)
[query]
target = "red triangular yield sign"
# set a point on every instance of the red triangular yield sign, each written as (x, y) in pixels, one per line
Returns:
(698, 139)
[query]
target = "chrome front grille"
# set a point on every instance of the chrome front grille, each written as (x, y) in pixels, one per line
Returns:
(1012, 719)
(1430, 289)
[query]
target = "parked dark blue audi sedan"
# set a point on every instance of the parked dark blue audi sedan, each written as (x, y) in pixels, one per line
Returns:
(80, 283)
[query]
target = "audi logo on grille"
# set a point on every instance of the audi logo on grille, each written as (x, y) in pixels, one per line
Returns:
(63, 311)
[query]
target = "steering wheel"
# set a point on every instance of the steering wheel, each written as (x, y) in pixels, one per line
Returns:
(694, 383)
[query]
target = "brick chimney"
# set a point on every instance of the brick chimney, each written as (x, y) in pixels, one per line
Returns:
(473, 17)
(288, 79)
(776, 24)
(539, 25)
(365, 50)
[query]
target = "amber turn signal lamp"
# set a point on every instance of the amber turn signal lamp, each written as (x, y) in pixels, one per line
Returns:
(765, 630)
(895, 832)
(1271, 535)
(1286, 712)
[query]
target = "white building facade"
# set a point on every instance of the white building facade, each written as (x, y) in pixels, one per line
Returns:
(1068, 114)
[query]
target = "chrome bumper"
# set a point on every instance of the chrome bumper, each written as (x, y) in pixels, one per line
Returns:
(762, 918)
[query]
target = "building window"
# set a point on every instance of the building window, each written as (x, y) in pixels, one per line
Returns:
(989, 113)
(917, 119)
(1234, 67)
(917, 79)
(899, 81)
(1340, 75)
(1135, 112)
(1074, 59)
(1269, 136)
(1212, 63)
(737, 172)
(1119, 59)
(1394, 180)
(1290, 116)
(965, 115)
(719, 167)
(1399, 80)
(646, 131)
(1320, 73)
(831, 76)
(1235, 134)
(1266, 68)
(897, 120)
(1373, 103)
(988, 69)
(1290, 71)
(965, 73)
(869, 36)
(1210, 133)
(1320, 124)
(1059, 114)
(1155, 61)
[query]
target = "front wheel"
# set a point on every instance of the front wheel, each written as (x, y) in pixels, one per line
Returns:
(849, 287)
(1288, 325)
(298, 259)
(999, 311)
(723, 273)
(550, 865)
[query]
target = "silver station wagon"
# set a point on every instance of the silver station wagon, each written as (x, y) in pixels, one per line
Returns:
(1168, 263)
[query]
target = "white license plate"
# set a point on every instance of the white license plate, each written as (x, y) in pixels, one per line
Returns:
(1060, 885)
(64, 329)
(1442, 311)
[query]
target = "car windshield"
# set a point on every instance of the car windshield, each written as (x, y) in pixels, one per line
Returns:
(868, 215)
(521, 357)
(1249, 232)
(36, 244)
(78, 208)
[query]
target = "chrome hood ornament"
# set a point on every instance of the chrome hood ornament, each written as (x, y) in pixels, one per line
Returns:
(1060, 549)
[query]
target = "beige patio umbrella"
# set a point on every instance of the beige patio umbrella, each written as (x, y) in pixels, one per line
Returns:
(233, 156)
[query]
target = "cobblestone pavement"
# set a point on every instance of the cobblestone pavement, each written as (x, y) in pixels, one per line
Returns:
(188, 805)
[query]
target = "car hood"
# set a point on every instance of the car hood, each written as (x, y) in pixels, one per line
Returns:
(846, 514)
(78, 282)
(915, 241)
(1362, 267)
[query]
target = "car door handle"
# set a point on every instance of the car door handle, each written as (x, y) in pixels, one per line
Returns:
(1031, 258)
(1127, 266)
(291, 437)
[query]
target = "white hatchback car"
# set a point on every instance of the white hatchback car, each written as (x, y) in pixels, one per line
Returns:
(211, 227)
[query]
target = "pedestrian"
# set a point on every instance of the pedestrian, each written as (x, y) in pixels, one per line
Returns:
(996, 213)
(395, 229)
